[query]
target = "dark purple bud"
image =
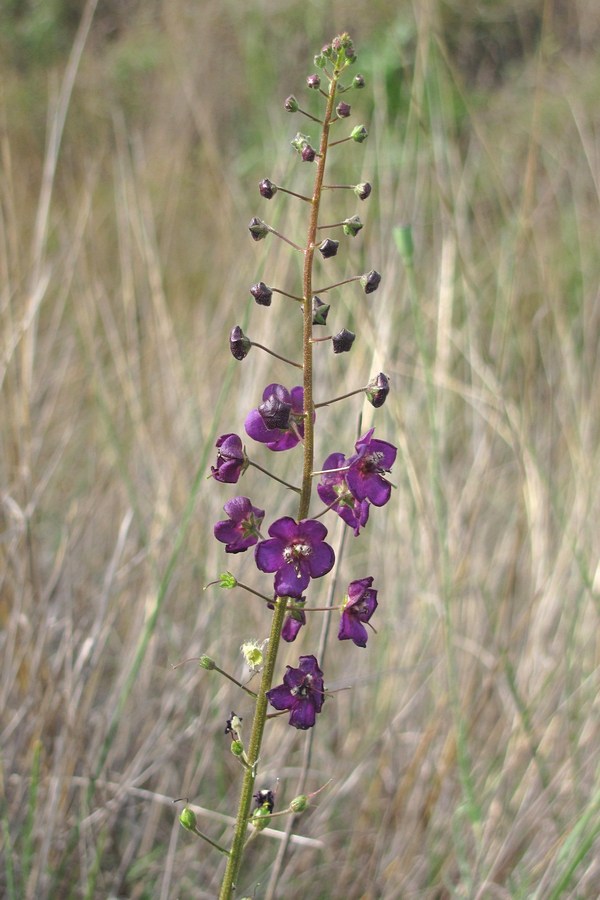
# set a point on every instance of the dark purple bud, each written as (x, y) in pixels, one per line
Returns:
(320, 311)
(370, 281)
(267, 189)
(314, 82)
(239, 344)
(261, 293)
(359, 134)
(308, 153)
(328, 248)
(358, 82)
(275, 413)
(342, 341)
(291, 104)
(258, 229)
(352, 226)
(362, 190)
(377, 390)
(343, 110)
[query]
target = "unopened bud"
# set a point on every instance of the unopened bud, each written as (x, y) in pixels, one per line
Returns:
(308, 153)
(275, 413)
(362, 190)
(358, 82)
(300, 141)
(328, 248)
(261, 818)
(320, 60)
(377, 390)
(299, 804)
(239, 344)
(261, 293)
(370, 281)
(352, 226)
(205, 662)
(187, 818)
(343, 109)
(291, 104)
(359, 134)
(258, 229)
(342, 341)
(227, 580)
(237, 748)
(314, 82)
(320, 311)
(267, 189)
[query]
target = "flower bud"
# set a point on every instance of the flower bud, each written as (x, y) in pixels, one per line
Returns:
(267, 189)
(187, 818)
(299, 804)
(370, 281)
(261, 293)
(314, 82)
(258, 229)
(342, 341)
(300, 141)
(291, 104)
(237, 748)
(352, 226)
(359, 134)
(308, 153)
(358, 82)
(205, 662)
(320, 311)
(377, 390)
(362, 190)
(275, 413)
(343, 109)
(320, 60)
(260, 818)
(227, 580)
(328, 248)
(239, 344)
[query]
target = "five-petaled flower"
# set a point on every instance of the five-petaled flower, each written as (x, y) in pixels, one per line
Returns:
(367, 468)
(359, 605)
(242, 529)
(231, 459)
(334, 492)
(302, 693)
(259, 422)
(295, 552)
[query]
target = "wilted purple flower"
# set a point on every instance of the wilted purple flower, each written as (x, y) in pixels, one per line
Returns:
(362, 190)
(296, 552)
(258, 229)
(241, 529)
(370, 281)
(261, 293)
(294, 620)
(343, 109)
(302, 693)
(359, 605)
(334, 492)
(342, 341)
(231, 459)
(278, 438)
(377, 390)
(328, 248)
(366, 469)
(314, 82)
(267, 189)
(239, 344)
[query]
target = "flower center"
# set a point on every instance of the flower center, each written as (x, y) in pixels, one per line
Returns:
(372, 462)
(295, 553)
(303, 690)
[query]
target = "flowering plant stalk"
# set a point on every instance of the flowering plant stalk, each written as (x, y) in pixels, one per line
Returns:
(295, 552)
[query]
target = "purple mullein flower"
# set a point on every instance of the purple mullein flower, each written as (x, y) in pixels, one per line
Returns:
(359, 605)
(302, 693)
(366, 469)
(296, 552)
(294, 620)
(242, 529)
(278, 438)
(334, 492)
(231, 459)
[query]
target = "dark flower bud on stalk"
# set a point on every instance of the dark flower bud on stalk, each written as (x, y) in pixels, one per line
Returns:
(343, 110)
(187, 818)
(342, 341)
(320, 311)
(267, 189)
(358, 82)
(314, 82)
(362, 190)
(308, 153)
(239, 344)
(359, 134)
(258, 229)
(205, 662)
(261, 293)
(261, 818)
(291, 104)
(370, 281)
(275, 413)
(328, 248)
(377, 390)
(352, 226)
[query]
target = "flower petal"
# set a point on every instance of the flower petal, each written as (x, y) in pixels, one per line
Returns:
(269, 555)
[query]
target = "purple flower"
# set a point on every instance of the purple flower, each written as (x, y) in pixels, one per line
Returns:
(294, 620)
(296, 553)
(334, 492)
(359, 605)
(301, 692)
(283, 438)
(231, 459)
(365, 475)
(242, 529)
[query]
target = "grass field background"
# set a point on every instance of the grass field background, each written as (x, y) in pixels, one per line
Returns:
(465, 757)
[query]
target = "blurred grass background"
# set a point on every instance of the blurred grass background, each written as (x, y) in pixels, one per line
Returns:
(133, 134)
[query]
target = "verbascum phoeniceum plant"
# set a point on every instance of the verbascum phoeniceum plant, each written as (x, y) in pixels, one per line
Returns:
(290, 554)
